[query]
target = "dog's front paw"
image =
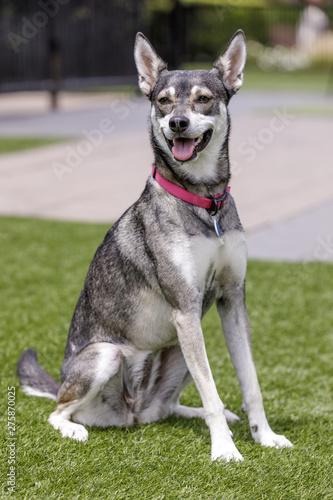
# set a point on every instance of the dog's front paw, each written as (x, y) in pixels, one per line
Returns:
(272, 440)
(227, 454)
(275, 441)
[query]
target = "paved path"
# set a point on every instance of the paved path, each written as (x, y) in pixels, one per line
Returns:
(282, 165)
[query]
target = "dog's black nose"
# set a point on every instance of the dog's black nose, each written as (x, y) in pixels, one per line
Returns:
(179, 123)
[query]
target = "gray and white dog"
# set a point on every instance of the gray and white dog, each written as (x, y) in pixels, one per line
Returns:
(135, 340)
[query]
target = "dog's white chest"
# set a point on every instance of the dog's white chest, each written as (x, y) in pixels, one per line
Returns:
(201, 264)
(198, 258)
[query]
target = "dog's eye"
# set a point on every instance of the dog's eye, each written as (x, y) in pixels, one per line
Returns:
(204, 98)
(164, 100)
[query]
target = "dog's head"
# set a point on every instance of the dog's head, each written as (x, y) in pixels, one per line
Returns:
(189, 108)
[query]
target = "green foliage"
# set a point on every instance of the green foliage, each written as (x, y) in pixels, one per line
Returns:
(208, 25)
(43, 265)
(212, 28)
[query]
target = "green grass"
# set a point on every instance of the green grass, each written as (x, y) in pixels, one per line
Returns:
(317, 80)
(308, 80)
(298, 81)
(316, 111)
(11, 144)
(43, 265)
(312, 111)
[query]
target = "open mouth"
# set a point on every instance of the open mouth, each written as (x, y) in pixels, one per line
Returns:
(185, 148)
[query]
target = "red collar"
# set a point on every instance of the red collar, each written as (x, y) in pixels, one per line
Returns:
(213, 205)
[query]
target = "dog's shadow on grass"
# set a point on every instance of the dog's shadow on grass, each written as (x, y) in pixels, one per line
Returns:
(164, 429)
(195, 429)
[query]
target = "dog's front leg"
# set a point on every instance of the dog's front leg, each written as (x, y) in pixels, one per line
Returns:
(237, 332)
(191, 340)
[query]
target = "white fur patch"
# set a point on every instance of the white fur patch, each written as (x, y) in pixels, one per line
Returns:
(108, 364)
(153, 328)
(171, 91)
(67, 428)
(182, 259)
(157, 130)
(196, 90)
(30, 391)
(234, 254)
(195, 256)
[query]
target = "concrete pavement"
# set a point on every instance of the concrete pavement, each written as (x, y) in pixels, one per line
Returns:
(282, 168)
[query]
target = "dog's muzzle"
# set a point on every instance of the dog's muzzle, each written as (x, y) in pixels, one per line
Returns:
(186, 148)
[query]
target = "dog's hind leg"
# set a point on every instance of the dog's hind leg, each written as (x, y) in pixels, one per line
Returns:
(163, 398)
(163, 390)
(165, 385)
(189, 411)
(84, 376)
(184, 411)
(173, 378)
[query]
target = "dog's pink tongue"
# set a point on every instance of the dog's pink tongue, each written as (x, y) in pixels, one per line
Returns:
(183, 149)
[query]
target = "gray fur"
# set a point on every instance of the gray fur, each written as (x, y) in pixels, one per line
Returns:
(32, 375)
(135, 340)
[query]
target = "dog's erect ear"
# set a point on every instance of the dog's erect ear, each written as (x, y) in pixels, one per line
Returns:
(148, 63)
(231, 64)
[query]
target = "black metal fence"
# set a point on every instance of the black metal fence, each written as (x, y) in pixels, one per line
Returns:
(46, 40)
(90, 42)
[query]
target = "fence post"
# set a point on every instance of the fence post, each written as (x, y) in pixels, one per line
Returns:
(55, 59)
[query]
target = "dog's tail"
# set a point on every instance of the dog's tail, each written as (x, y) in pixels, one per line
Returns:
(34, 379)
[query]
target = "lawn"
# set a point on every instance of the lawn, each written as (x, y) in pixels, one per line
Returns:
(311, 80)
(43, 265)
(13, 144)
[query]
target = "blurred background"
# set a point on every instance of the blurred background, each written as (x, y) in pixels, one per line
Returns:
(70, 44)
(73, 127)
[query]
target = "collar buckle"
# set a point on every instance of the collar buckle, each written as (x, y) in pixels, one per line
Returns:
(218, 202)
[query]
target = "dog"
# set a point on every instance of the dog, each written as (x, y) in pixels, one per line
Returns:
(135, 340)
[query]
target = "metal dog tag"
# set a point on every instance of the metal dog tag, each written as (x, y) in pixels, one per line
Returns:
(218, 229)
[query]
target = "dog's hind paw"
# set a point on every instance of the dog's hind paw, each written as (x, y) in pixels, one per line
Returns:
(74, 431)
(67, 428)
(231, 417)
